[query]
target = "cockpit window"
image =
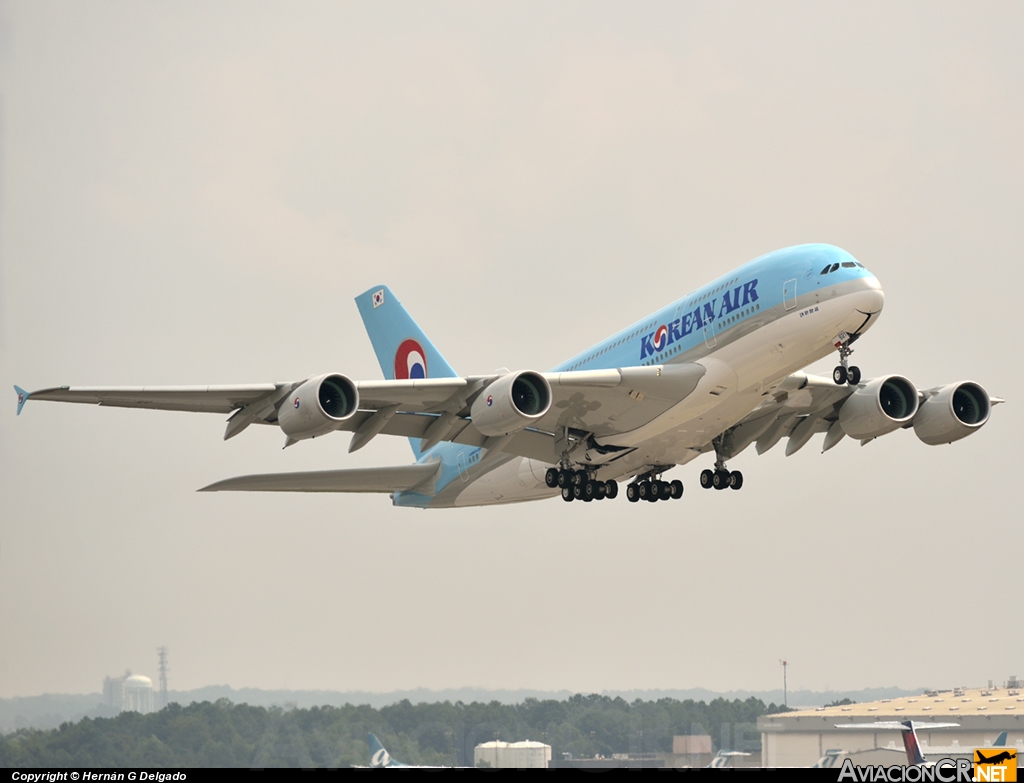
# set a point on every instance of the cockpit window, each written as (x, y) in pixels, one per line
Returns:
(834, 268)
(848, 265)
(858, 263)
(825, 270)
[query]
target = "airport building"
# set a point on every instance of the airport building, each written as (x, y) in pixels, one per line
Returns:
(799, 739)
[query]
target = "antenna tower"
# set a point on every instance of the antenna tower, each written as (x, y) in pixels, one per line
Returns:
(162, 655)
(785, 697)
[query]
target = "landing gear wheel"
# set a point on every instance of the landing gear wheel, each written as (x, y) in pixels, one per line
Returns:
(839, 375)
(721, 479)
(632, 492)
(567, 495)
(677, 489)
(736, 480)
(591, 491)
(853, 375)
(611, 490)
(579, 477)
(577, 491)
(565, 478)
(644, 490)
(551, 477)
(707, 479)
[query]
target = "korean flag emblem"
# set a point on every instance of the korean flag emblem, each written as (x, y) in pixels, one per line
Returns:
(378, 298)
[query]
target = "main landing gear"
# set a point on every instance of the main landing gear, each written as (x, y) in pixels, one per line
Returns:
(844, 373)
(721, 477)
(579, 485)
(653, 489)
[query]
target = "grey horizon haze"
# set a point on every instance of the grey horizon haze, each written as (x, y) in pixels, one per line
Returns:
(195, 193)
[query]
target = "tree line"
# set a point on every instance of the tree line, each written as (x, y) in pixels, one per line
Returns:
(224, 734)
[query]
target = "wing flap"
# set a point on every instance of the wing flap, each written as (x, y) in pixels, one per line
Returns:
(398, 478)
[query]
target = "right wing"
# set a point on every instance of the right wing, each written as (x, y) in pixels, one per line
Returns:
(598, 403)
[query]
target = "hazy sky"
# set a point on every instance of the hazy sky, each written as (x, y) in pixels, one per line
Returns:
(195, 192)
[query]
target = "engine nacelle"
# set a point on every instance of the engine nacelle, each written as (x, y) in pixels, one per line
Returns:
(318, 406)
(879, 406)
(511, 403)
(953, 412)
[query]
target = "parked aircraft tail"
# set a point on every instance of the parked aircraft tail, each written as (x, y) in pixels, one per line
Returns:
(403, 350)
(908, 730)
(379, 757)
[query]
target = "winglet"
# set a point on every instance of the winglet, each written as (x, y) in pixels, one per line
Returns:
(22, 398)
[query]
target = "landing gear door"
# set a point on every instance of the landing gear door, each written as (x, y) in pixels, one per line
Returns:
(789, 294)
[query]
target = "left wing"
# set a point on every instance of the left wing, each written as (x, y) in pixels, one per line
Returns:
(401, 478)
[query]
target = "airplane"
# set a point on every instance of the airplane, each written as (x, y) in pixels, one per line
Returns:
(908, 731)
(379, 757)
(956, 749)
(714, 371)
(725, 758)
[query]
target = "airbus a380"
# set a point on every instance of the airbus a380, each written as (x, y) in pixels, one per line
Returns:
(715, 371)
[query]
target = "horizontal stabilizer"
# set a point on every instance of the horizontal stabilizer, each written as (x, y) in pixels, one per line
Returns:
(399, 478)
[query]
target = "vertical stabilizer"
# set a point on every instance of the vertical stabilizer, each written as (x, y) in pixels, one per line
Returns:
(911, 744)
(378, 756)
(402, 349)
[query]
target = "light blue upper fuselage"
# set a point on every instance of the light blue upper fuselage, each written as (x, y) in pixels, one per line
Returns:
(683, 330)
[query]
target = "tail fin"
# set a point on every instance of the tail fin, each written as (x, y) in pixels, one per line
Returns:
(378, 756)
(401, 347)
(22, 398)
(1000, 741)
(910, 743)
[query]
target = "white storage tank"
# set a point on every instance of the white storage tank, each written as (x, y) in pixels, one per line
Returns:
(138, 694)
(512, 755)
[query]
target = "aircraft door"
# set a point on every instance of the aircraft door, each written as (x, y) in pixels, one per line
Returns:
(461, 459)
(789, 294)
(709, 332)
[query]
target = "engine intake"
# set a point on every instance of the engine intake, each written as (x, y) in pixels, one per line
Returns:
(879, 406)
(511, 403)
(953, 412)
(318, 406)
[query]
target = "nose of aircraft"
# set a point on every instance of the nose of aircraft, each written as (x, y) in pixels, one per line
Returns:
(870, 298)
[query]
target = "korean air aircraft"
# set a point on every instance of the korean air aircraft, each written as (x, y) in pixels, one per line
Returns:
(710, 373)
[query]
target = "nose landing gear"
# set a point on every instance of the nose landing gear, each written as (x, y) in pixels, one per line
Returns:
(844, 373)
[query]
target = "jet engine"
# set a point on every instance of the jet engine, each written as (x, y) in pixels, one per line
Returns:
(318, 406)
(879, 406)
(953, 412)
(511, 403)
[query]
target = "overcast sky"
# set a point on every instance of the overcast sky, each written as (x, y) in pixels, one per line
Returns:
(194, 193)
